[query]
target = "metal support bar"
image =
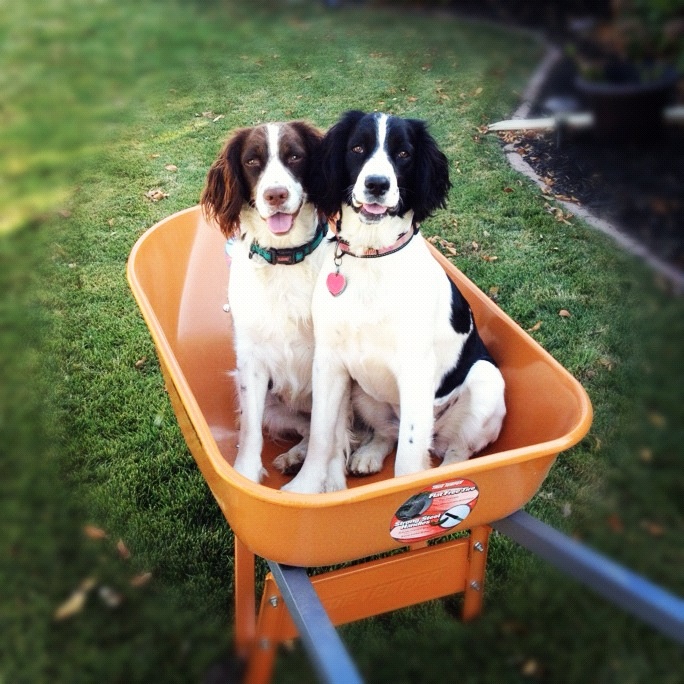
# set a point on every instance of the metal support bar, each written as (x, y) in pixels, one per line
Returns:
(319, 637)
(624, 588)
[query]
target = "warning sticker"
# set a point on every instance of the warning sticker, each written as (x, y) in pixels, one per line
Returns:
(434, 511)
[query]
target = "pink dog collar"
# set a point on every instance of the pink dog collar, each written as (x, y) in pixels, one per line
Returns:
(336, 281)
(402, 241)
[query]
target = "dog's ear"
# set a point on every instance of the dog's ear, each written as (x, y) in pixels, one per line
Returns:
(226, 191)
(430, 174)
(332, 179)
(312, 137)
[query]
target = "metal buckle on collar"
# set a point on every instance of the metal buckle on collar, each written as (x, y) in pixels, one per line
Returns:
(282, 256)
(288, 255)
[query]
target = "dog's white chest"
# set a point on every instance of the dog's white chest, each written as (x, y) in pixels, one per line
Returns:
(271, 307)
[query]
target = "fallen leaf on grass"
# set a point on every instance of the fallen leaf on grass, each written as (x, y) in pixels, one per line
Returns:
(564, 313)
(560, 215)
(75, 603)
(657, 419)
(72, 606)
(140, 362)
(486, 257)
(87, 584)
(652, 528)
(535, 327)
(615, 523)
(156, 194)
(171, 167)
(530, 668)
(123, 549)
(446, 246)
(93, 532)
(140, 580)
(646, 455)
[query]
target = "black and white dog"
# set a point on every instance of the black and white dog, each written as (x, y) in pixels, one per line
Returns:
(259, 192)
(392, 332)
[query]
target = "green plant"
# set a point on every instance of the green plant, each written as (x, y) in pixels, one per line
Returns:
(639, 42)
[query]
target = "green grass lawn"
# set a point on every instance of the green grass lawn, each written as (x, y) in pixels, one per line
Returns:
(98, 100)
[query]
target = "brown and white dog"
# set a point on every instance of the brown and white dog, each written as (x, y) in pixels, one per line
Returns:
(258, 190)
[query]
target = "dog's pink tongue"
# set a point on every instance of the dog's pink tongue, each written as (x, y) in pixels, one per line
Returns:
(374, 208)
(280, 223)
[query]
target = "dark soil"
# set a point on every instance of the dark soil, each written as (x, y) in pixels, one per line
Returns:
(636, 185)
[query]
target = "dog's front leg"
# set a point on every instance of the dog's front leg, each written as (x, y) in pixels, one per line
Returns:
(416, 419)
(324, 467)
(252, 380)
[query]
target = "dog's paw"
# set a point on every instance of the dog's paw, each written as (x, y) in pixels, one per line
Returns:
(301, 485)
(252, 471)
(369, 457)
(336, 477)
(291, 461)
(404, 467)
(457, 455)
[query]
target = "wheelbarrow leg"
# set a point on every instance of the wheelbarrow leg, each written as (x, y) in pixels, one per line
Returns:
(477, 561)
(245, 601)
(290, 606)
(263, 648)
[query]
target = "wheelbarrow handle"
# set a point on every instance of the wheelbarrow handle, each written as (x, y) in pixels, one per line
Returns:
(621, 586)
(321, 641)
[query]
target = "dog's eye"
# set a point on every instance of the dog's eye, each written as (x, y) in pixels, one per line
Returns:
(294, 158)
(358, 149)
(403, 155)
(252, 162)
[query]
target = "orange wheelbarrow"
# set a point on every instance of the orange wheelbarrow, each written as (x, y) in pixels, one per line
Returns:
(179, 277)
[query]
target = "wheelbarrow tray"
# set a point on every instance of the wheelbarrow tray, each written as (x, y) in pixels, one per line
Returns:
(179, 277)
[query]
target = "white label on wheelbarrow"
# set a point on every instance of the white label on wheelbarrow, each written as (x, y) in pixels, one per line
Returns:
(435, 510)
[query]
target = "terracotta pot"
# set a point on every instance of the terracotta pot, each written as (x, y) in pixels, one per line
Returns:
(628, 110)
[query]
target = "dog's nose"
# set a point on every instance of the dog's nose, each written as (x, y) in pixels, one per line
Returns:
(377, 185)
(276, 195)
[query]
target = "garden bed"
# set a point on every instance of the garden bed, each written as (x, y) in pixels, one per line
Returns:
(635, 185)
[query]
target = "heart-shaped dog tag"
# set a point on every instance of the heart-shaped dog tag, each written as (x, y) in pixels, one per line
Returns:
(336, 283)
